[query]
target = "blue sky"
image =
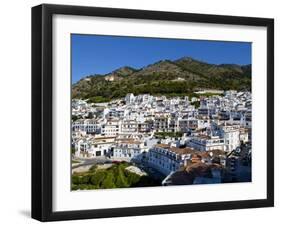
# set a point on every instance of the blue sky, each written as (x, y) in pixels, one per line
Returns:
(98, 54)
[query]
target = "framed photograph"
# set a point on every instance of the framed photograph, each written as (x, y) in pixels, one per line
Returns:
(145, 112)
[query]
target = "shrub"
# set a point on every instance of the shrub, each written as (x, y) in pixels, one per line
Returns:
(108, 182)
(97, 178)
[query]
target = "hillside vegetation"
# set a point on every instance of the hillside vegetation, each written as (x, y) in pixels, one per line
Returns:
(114, 177)
(171, 78)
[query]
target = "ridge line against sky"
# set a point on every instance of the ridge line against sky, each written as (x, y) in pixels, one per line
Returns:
(99, 54)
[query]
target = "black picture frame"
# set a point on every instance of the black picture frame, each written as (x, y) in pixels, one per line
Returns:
(42, 111)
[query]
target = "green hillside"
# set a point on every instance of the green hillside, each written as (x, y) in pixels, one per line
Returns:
(170, 78)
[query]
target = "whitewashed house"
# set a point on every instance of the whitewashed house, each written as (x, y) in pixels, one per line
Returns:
(129, 149)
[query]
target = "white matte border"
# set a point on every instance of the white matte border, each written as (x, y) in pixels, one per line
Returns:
(64, 199)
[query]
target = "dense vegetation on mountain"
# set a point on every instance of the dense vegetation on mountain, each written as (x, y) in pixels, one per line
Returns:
(171, 78)
(114, 177)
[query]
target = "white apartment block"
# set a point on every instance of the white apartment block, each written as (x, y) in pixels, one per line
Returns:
(110, 128)
(207, 143)
(231, 135)
(167, 159)
(190, 124)
(129, 149)
(129, 126)
(86, 125)
(165, 124)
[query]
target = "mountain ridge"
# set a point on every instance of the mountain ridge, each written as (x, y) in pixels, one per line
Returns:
(160, 77)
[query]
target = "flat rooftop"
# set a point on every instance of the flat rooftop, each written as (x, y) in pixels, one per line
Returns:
(176, 150)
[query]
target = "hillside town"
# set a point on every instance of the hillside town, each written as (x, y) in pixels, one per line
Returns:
(181, 140)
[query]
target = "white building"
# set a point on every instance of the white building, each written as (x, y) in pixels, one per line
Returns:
(167, 159)
(190, 124)
(231, 135)
(128, 149)
(129, 126)
(94, 146)
(101, 146)
(110, 128)
(82, 147)
(130, 98)
(86, 125)
(165, 123)
(207, 143)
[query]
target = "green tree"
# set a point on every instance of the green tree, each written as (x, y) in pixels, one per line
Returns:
(108, 182)
(98, 177)
(121, 181)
